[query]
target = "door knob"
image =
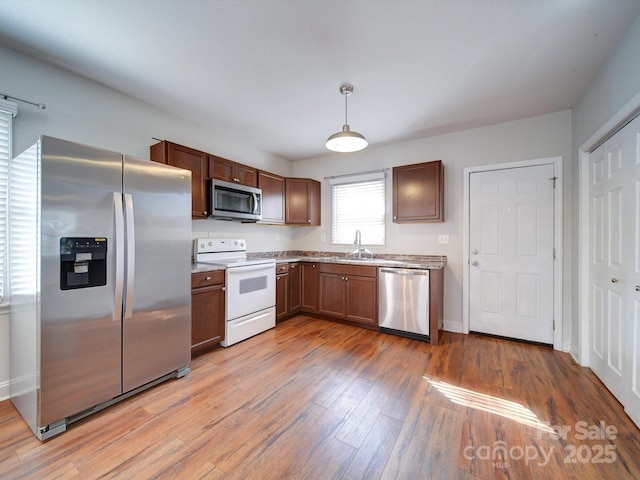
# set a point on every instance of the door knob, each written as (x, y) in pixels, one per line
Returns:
(474, 263)
(474, 251)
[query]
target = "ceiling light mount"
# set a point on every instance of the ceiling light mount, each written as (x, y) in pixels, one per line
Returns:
(346, 140)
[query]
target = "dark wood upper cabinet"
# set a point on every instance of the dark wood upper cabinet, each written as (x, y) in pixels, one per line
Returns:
(189, 159)
(272, 197)
(230, 171)
(418, 193)
(302, 201)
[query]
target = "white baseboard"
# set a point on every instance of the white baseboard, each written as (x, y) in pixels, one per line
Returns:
(574, 352)
(4, 390)
(452, 327)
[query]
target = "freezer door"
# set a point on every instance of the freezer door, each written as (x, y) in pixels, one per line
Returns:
(157, 305)
(80, 334)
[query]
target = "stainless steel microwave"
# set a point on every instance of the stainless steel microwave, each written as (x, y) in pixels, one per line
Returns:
(231, 201)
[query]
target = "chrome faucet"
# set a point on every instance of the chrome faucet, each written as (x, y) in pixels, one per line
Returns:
(361, 248)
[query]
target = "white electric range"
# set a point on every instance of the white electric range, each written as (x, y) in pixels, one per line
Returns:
(250, 286)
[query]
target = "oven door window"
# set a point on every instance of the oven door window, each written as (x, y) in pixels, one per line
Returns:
(253, 284)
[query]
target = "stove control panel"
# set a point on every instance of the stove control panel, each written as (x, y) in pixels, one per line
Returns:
(215, 245)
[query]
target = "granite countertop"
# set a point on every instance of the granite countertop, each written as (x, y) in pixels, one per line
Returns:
(431, 262)
(205, 267)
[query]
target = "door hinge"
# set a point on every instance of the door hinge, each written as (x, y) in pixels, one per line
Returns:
(554, 324)
(554, 178)
(554, 253)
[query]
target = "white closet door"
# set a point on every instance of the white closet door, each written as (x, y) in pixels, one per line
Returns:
(608, 308)
(615, 266)
(631, 401)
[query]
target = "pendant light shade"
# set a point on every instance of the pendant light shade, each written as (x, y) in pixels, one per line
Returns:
(346, 140)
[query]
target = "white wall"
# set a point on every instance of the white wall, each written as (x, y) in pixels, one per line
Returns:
(615, 85)
(537, 137)
(87, 112)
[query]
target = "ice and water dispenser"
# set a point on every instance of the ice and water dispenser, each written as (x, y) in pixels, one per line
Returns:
(83, 262)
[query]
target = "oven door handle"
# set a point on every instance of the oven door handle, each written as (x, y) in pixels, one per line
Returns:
(251, 268)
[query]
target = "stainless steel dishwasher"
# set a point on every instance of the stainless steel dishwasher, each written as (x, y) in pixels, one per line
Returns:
(404, 302)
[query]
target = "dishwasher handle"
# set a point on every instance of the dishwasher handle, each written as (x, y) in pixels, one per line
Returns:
(404, 271)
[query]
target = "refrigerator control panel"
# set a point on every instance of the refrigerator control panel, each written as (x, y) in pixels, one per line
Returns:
(83, 262)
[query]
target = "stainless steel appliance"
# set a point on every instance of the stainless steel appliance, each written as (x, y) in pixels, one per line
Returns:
(232, 201)
(404, 302)
(99, 279)
(250, 287)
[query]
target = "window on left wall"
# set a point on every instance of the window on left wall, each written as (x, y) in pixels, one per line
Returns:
(8, 110)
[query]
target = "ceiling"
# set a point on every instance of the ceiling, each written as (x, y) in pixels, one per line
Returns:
(268, 72)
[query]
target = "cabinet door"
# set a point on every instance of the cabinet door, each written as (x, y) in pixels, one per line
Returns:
(302, 201)
(246, 175)
(309, 287)
(207, 317)
(272, 197)
(331, 294)
(221, 168)
(418, 193)
(189, 159)
(282, 296)
(361, 299)
(295, 288)
(230, 171)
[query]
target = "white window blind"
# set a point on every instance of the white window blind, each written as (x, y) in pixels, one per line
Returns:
(358, 203)
(7, 111)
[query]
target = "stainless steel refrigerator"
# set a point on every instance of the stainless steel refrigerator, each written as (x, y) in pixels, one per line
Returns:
(99, 279)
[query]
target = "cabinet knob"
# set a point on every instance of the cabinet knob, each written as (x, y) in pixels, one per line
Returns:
(205, 213)
(278, 279)
(292, 267)
(346, 279)
(309, 221)
(224, 289)
(208, 278)
(314, 266)
(395, 217)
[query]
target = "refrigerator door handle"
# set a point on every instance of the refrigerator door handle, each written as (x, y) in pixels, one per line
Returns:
(119, 254)
(131, 255)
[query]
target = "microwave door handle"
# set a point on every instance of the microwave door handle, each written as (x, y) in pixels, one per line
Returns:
(255, 203)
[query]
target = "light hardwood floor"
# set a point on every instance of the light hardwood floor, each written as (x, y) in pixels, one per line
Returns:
(318, 399)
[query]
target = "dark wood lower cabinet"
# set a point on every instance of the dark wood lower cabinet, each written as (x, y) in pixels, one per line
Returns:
(309, 287)
(295, 288)
(282, 296)
(207, 310)
(349, 292)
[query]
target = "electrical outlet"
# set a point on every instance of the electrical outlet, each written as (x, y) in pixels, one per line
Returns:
(443, 239)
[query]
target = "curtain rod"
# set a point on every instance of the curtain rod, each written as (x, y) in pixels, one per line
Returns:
(39, 105)
(357, 173)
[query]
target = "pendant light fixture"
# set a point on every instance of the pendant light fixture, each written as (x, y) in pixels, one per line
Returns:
(346, 140)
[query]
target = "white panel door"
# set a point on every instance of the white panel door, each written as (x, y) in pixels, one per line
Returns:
(613, 257)
(511, 253)
(631, 355)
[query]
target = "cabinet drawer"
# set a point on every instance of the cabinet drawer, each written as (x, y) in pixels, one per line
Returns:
(206, 279)
(341, 269)
(282, 268)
